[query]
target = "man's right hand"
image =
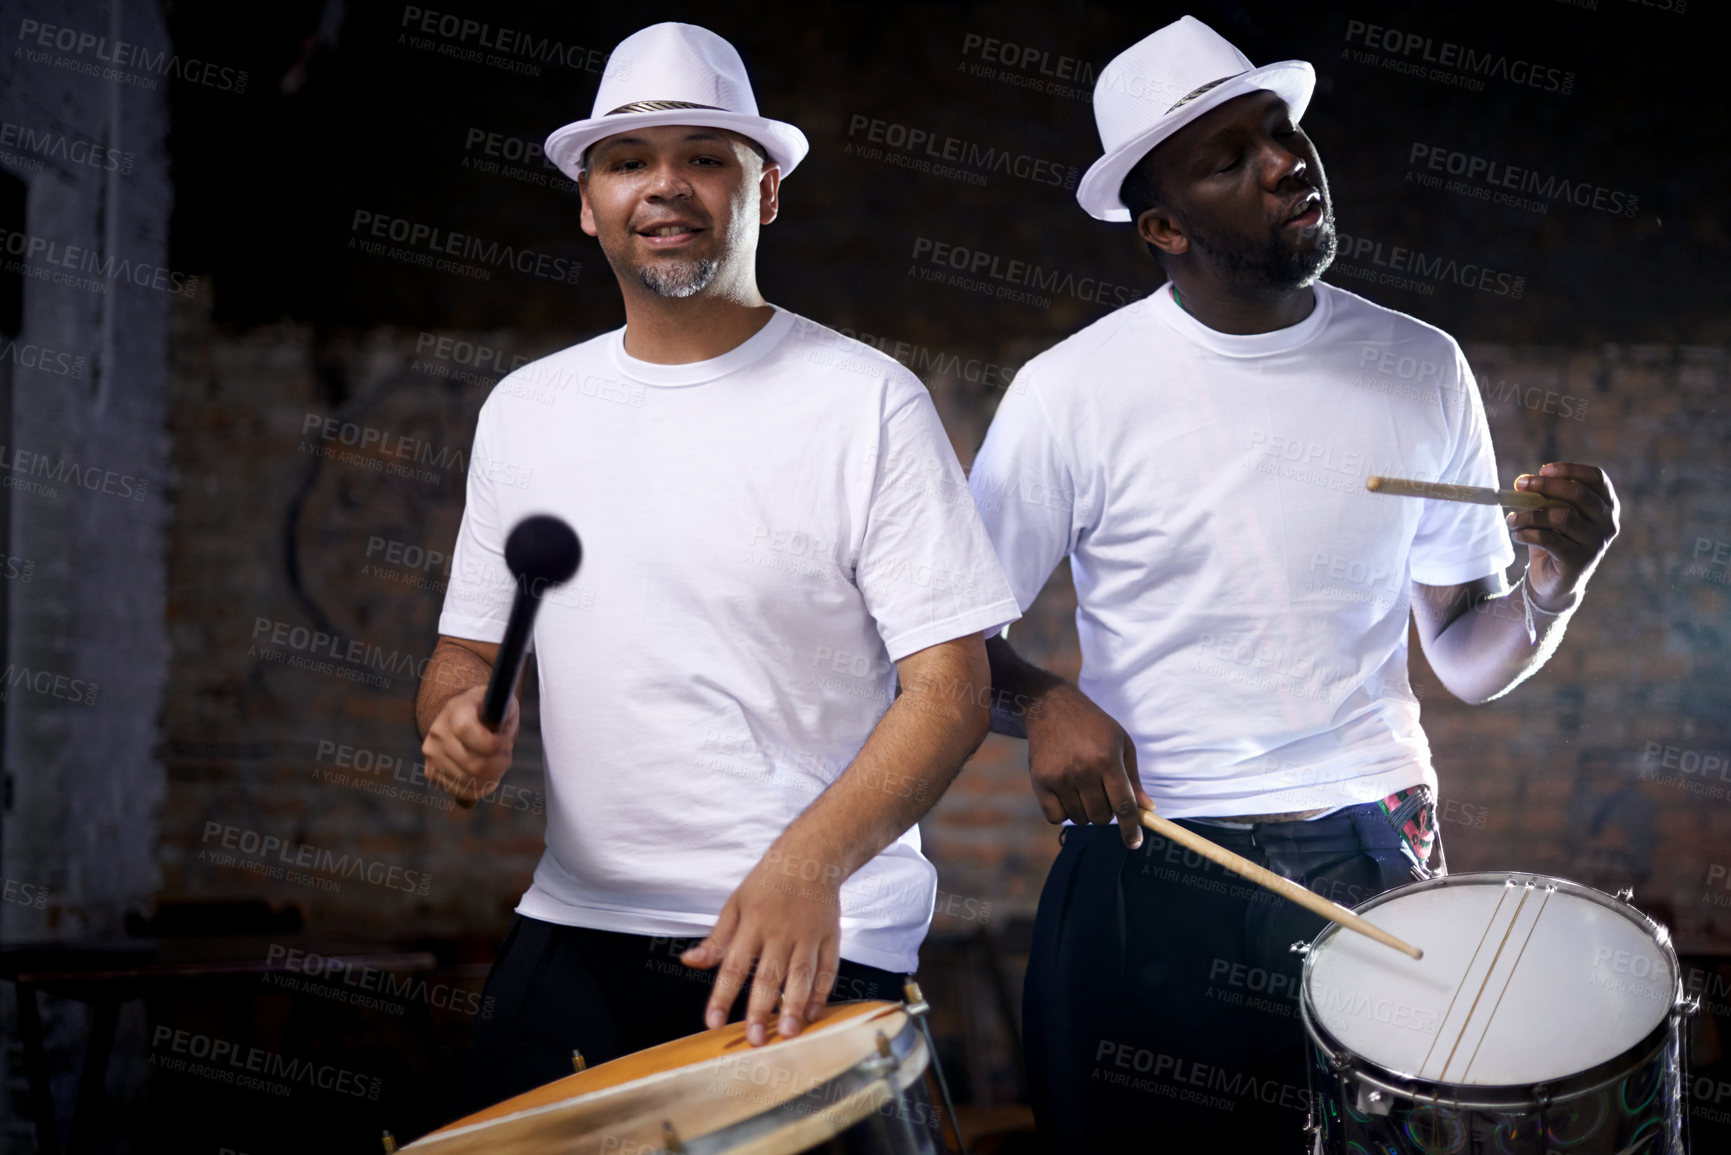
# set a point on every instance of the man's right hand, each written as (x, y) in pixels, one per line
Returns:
(1083, 764)
(463, 756)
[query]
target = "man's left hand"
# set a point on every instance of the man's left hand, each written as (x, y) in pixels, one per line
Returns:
(788, 923)
(1566, 540)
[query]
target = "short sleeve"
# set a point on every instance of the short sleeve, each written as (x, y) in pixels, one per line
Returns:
(926, 569)
(1457, 542)
(478, 599)
(1025, 491)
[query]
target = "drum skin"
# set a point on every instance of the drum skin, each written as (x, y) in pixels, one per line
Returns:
(1369, 1099)
(859, 1080)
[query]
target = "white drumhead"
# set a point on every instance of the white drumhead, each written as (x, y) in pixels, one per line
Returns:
(1524, 980)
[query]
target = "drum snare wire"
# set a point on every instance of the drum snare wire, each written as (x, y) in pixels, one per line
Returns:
(1549, 890)
(1456, 996)
(1485, 982)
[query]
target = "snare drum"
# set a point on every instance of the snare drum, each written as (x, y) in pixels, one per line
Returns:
(861, 1079)
(1545, 1017)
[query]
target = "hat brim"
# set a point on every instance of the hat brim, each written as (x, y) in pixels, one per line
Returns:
(1291, 80)
(785, 144)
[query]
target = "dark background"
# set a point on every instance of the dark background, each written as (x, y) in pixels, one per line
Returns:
(1614, 352)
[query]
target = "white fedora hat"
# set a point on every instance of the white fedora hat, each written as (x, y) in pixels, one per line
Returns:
(1162, 83)
(675, 74)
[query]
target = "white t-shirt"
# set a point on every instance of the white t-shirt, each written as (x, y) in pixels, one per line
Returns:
(1242, 600)
(764, 535)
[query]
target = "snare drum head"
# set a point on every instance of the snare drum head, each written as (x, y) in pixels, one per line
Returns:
(1524, 980)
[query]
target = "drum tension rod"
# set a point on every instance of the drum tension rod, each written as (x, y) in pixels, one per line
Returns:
(578, 1063)
(914, 1002)
(885, 1060)
(390, 1142)
(670, 1139)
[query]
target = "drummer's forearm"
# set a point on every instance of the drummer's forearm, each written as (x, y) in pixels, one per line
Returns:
(1484, 650)
(1017, 685)
(906, 764)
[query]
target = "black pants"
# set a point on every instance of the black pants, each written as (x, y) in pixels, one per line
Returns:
(554, 989)
(1160, 1011)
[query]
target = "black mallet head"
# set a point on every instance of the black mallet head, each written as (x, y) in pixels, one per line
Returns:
(542, 551)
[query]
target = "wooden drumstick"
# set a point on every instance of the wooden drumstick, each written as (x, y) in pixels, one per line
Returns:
(1284, 887)
(1507, 498)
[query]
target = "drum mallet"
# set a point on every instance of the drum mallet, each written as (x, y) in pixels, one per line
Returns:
(541, 552)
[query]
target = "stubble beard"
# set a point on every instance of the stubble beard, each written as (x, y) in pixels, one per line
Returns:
(679, 278)
(1271, 268)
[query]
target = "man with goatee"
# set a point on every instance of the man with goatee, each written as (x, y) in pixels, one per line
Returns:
(775, 531)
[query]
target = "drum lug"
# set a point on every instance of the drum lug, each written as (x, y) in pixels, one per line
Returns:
(670, 1142)
(884, 1063)
(578, 1063)
(1373, 1102)
(1298, 948)
(1340, 1062)
(390, 1143)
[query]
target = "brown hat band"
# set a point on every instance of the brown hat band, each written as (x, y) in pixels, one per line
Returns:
(660, 106)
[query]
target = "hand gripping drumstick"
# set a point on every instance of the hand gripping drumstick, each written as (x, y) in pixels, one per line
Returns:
(1284, 887)
(1507, 498)
(541, 552)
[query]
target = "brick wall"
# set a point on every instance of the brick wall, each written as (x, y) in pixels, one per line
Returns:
(270, 539)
